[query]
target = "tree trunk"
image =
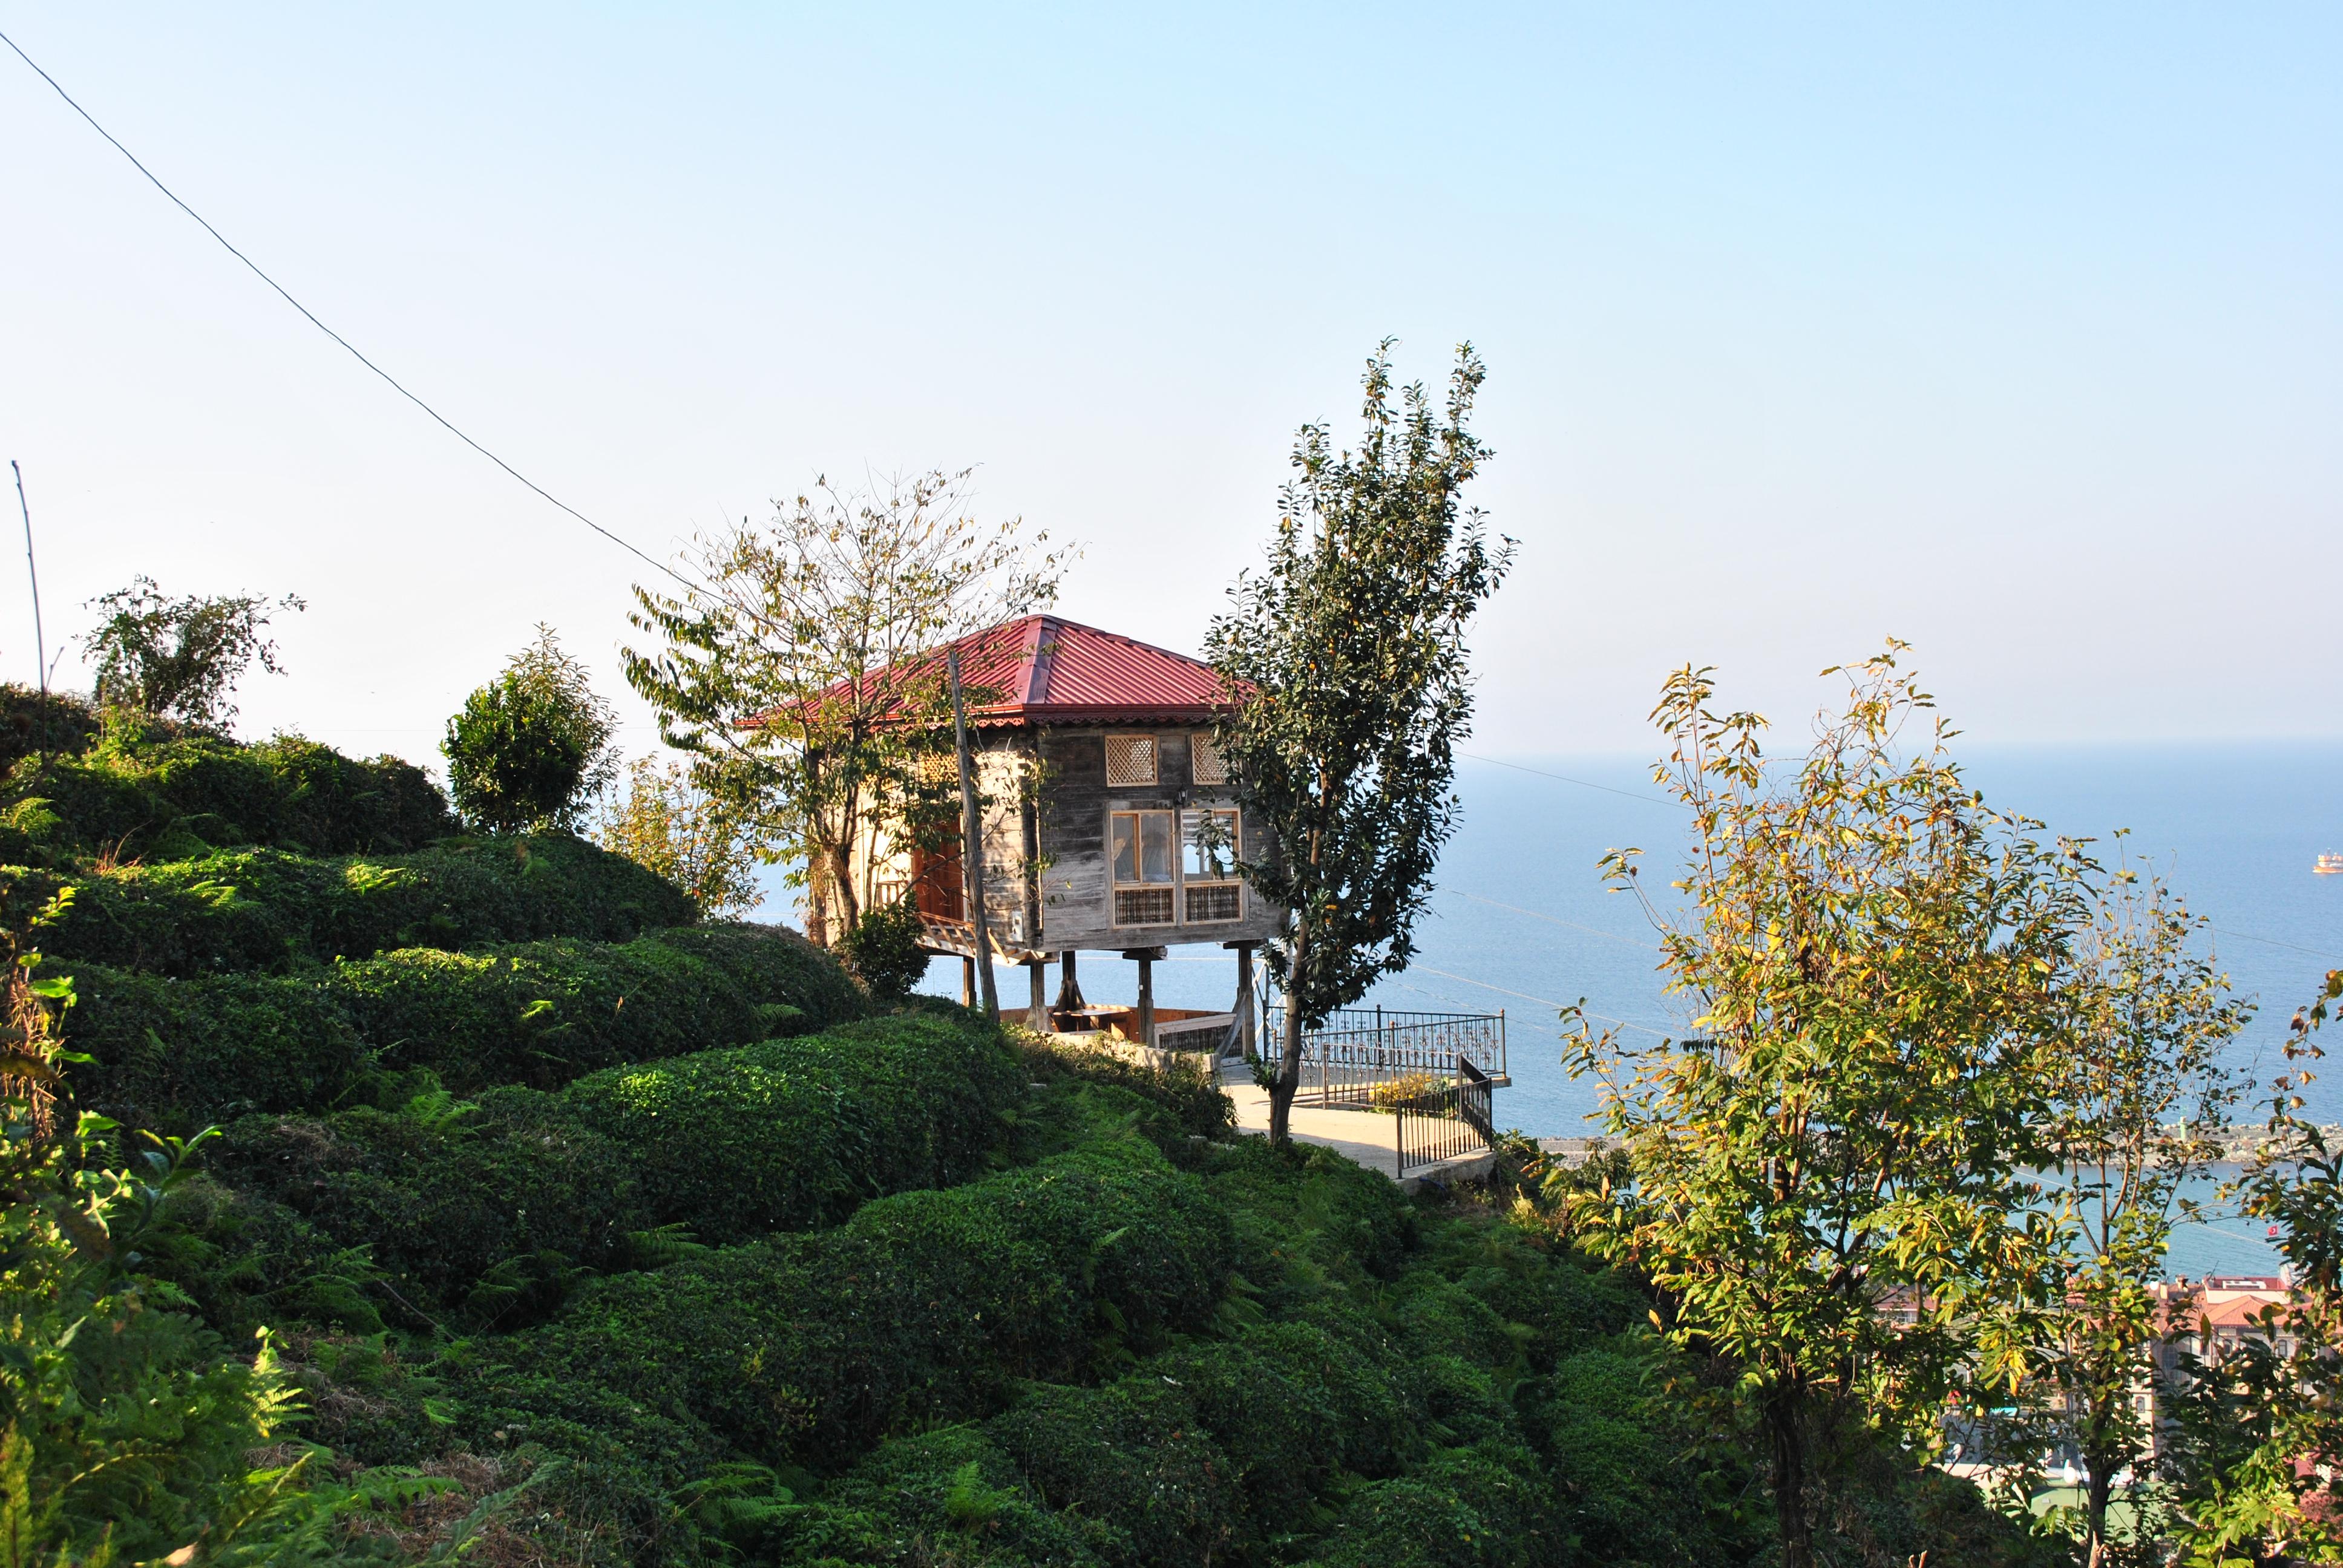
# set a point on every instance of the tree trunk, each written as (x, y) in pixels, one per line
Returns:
(1785, 1425)
(1289, 1071)
(2101, 1469)
(844, 910)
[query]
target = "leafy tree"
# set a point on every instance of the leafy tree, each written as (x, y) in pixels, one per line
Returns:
(532, 747)
(693, 837)
(1881, 965)
(2262, 1431)
(180, 659)
(884, 951)
(2142, 1097)
(1347, 656)
(792, 673)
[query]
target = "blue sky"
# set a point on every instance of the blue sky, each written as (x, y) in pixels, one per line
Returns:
(2010, 331)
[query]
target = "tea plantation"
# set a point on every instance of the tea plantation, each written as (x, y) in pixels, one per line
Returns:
(592, 1233)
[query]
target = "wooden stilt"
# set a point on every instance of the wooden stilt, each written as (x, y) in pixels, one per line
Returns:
(1146, 957)
(1070, 989)
(967, 982)
(1247, 1027)
(1037, 1015)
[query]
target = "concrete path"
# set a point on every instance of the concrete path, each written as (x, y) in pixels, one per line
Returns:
(1363, 1137)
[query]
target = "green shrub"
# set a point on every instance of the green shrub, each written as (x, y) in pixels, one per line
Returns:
(793, 1133)
(134, 797)
(176, 1054)
(883, 950)
(1134, 1458)
(32, 722)
(924, 1307)
(1486, 1507)
(481, 1214)
(268, 909)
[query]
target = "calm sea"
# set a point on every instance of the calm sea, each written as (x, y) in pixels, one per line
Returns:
(1521, 920)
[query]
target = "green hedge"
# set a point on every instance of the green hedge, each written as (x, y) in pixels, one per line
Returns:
(924, 1307)
(799, 1132)
(132, 798)
(173, 1055)
(270, 910)
(476, 1214)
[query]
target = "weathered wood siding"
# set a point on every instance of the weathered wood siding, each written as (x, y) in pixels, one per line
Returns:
(1074, 803)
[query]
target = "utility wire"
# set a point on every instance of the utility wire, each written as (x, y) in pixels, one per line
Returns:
(1582, 783)
(1541, 1001)
(444, 422)
(1557, 919)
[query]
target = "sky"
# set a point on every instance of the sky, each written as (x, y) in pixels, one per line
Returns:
(2009, 331)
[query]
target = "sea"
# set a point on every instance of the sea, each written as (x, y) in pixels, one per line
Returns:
(1519, 919)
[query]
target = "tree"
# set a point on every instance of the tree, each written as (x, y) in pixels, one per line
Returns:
(1881, 967)
(1346, 656)
(693, 837)
(531, 748)
(2142, 1098)
(2262, 1431)
(180, 659)
(792, 673)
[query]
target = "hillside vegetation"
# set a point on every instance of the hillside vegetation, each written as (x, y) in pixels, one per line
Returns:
(584, 1231)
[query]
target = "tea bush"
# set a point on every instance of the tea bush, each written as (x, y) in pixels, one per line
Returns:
(173, 1055)
(924, 1307)
(271, 909)
(481, 1214)
(176, 796)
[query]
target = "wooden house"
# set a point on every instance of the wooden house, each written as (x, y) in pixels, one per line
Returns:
(1109, 824)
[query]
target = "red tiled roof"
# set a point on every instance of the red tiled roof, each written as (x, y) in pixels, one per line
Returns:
(1048, 671)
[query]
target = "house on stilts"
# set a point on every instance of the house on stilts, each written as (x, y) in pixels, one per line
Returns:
(1108, 826)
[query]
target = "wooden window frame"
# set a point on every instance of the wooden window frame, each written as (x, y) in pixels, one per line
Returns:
(1232, 880)
(1116, 888)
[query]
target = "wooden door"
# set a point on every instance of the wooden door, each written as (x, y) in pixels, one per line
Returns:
(938, 886)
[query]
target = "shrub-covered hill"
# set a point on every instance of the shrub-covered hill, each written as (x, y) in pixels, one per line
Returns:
(155, 793)
(589, 1234)
(1137, 1342)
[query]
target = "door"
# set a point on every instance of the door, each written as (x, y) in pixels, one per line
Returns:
(938, 883)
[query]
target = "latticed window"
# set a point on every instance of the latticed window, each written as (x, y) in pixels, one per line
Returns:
(1205, 760)
(1218, 901)
(1129, 760)
(1143, 906)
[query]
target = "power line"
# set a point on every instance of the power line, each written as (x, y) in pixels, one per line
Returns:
(1557, 919)
(1541, 1001)
(444, 422)
(1582, 783)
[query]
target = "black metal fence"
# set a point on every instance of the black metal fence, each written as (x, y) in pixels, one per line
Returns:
(1447, 1121)
(1366, 1056)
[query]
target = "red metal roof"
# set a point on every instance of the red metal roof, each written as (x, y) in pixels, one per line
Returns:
(1050, 670)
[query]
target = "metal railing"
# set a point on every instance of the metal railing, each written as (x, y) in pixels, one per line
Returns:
(1346, 1059)
(1446, 1122)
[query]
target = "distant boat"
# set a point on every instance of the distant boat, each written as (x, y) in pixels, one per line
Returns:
(2328, 866)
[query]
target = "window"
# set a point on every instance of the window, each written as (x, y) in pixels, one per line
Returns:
(1208, 866)
(1129, 760)
(1140, 855)
(1204, 761)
